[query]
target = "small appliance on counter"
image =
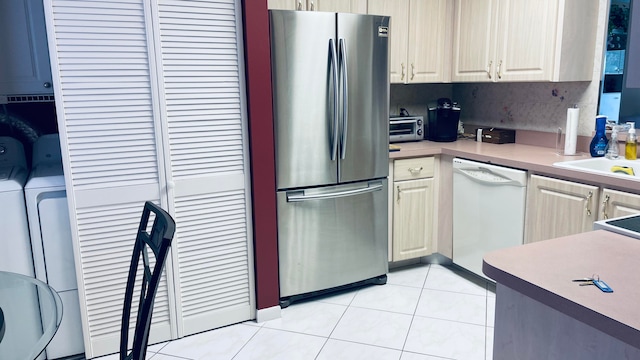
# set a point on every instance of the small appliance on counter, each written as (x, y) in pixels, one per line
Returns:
(443, 121)
(406, 128)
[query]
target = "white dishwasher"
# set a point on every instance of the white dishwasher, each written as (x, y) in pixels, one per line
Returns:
(488, 210)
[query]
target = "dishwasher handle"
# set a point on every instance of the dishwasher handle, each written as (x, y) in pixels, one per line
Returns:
(488, 177)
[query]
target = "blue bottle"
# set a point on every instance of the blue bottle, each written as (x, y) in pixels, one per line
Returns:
(599, 141)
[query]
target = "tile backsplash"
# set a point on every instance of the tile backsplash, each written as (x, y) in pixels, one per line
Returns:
(528, 106)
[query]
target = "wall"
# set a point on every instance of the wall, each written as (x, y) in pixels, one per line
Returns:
(526, 106)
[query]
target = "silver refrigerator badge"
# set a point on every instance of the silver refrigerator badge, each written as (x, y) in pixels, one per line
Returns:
(383, 31)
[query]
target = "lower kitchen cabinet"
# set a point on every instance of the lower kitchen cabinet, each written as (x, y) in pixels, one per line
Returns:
(616, 203)
(558, 208)
(412, 208)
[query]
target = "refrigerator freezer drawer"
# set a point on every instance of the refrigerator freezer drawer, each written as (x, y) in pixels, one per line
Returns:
(331, 236)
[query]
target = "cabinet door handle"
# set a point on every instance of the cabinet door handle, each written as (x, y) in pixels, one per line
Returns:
(605, 203)
(588, 203)
(414, 171)
(402, 74)
(489, 69)
(311, 7)
(46, 85)
(299, 5)
(499, 70)
(413, 71)
(398, 190)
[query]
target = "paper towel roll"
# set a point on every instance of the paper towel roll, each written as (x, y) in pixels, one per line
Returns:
(571, 137)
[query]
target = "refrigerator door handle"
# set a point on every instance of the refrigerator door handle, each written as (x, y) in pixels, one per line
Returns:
(345, 97)
(299, 196)
(336, 99)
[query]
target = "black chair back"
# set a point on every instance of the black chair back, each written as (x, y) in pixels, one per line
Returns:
(159, 241)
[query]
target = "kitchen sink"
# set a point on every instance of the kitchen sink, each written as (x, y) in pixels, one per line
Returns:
(627, 169)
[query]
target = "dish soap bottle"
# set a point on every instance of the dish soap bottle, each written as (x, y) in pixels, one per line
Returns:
(599, 141)
(631, 147)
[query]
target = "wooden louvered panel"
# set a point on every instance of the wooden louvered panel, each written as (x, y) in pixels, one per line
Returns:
(201, 72)
(214, 257)
(102, 61)
(106, 109)
(107, 236)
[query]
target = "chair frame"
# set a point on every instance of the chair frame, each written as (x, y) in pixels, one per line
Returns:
(159, 241)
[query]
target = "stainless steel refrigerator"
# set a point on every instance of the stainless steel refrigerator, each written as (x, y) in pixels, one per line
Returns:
(330, 77)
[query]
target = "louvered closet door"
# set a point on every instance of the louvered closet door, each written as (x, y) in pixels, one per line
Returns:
(203, 87)
(106, 112)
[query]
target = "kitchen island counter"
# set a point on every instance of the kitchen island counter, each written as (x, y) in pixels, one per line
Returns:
(542, 314)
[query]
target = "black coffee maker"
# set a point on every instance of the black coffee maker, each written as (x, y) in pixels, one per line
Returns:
(443, 121)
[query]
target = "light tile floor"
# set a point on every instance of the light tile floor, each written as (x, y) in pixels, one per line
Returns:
(424, 312)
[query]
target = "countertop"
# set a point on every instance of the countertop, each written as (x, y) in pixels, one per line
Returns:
(536, 159)
(543, 271)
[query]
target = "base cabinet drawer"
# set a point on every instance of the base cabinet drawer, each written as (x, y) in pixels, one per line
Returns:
(413, 168)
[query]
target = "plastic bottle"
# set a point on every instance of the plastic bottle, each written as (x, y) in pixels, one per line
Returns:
(631, 147)
(612, 147)
(599, 141)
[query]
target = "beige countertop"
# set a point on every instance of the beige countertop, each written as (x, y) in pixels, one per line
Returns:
(544, 270)
(537, 159)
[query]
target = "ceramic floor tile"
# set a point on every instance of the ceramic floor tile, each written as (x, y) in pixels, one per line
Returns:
(489, 351)
(413, 356)
(408, 276)
(449, 280)
(339, 298)
(491, 311)
(453, 306)
(345, 350)
(312, 318)
(270, 344)
(373, 327)
(221, 343)
(389, 297)
(156, 347)
(167, 357)
(448, 339)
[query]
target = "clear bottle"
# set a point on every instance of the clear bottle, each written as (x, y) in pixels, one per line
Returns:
(631, 147)
(599, 141)
(612, 148)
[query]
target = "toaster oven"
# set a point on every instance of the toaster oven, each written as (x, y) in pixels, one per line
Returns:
(406, 128)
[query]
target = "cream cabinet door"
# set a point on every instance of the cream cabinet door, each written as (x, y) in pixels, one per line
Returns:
(558, 208)
(525, 40)
(474, 40)
(412, 218)
(287, 4)
(616, 203)
(398, 34)
(429, 43)
(342, 6)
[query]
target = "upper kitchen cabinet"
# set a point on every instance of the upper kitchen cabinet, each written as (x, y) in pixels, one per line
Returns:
(420, 39)
(518, 40)
(24, 70)
(343, 6)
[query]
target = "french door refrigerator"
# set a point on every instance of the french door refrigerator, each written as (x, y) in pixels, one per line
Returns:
(330, 79)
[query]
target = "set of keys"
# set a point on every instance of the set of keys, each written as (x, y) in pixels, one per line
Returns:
(595, 280)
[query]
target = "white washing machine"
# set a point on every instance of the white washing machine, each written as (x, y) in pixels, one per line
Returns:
(14, 239)
(51, 243)
(15, 255)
